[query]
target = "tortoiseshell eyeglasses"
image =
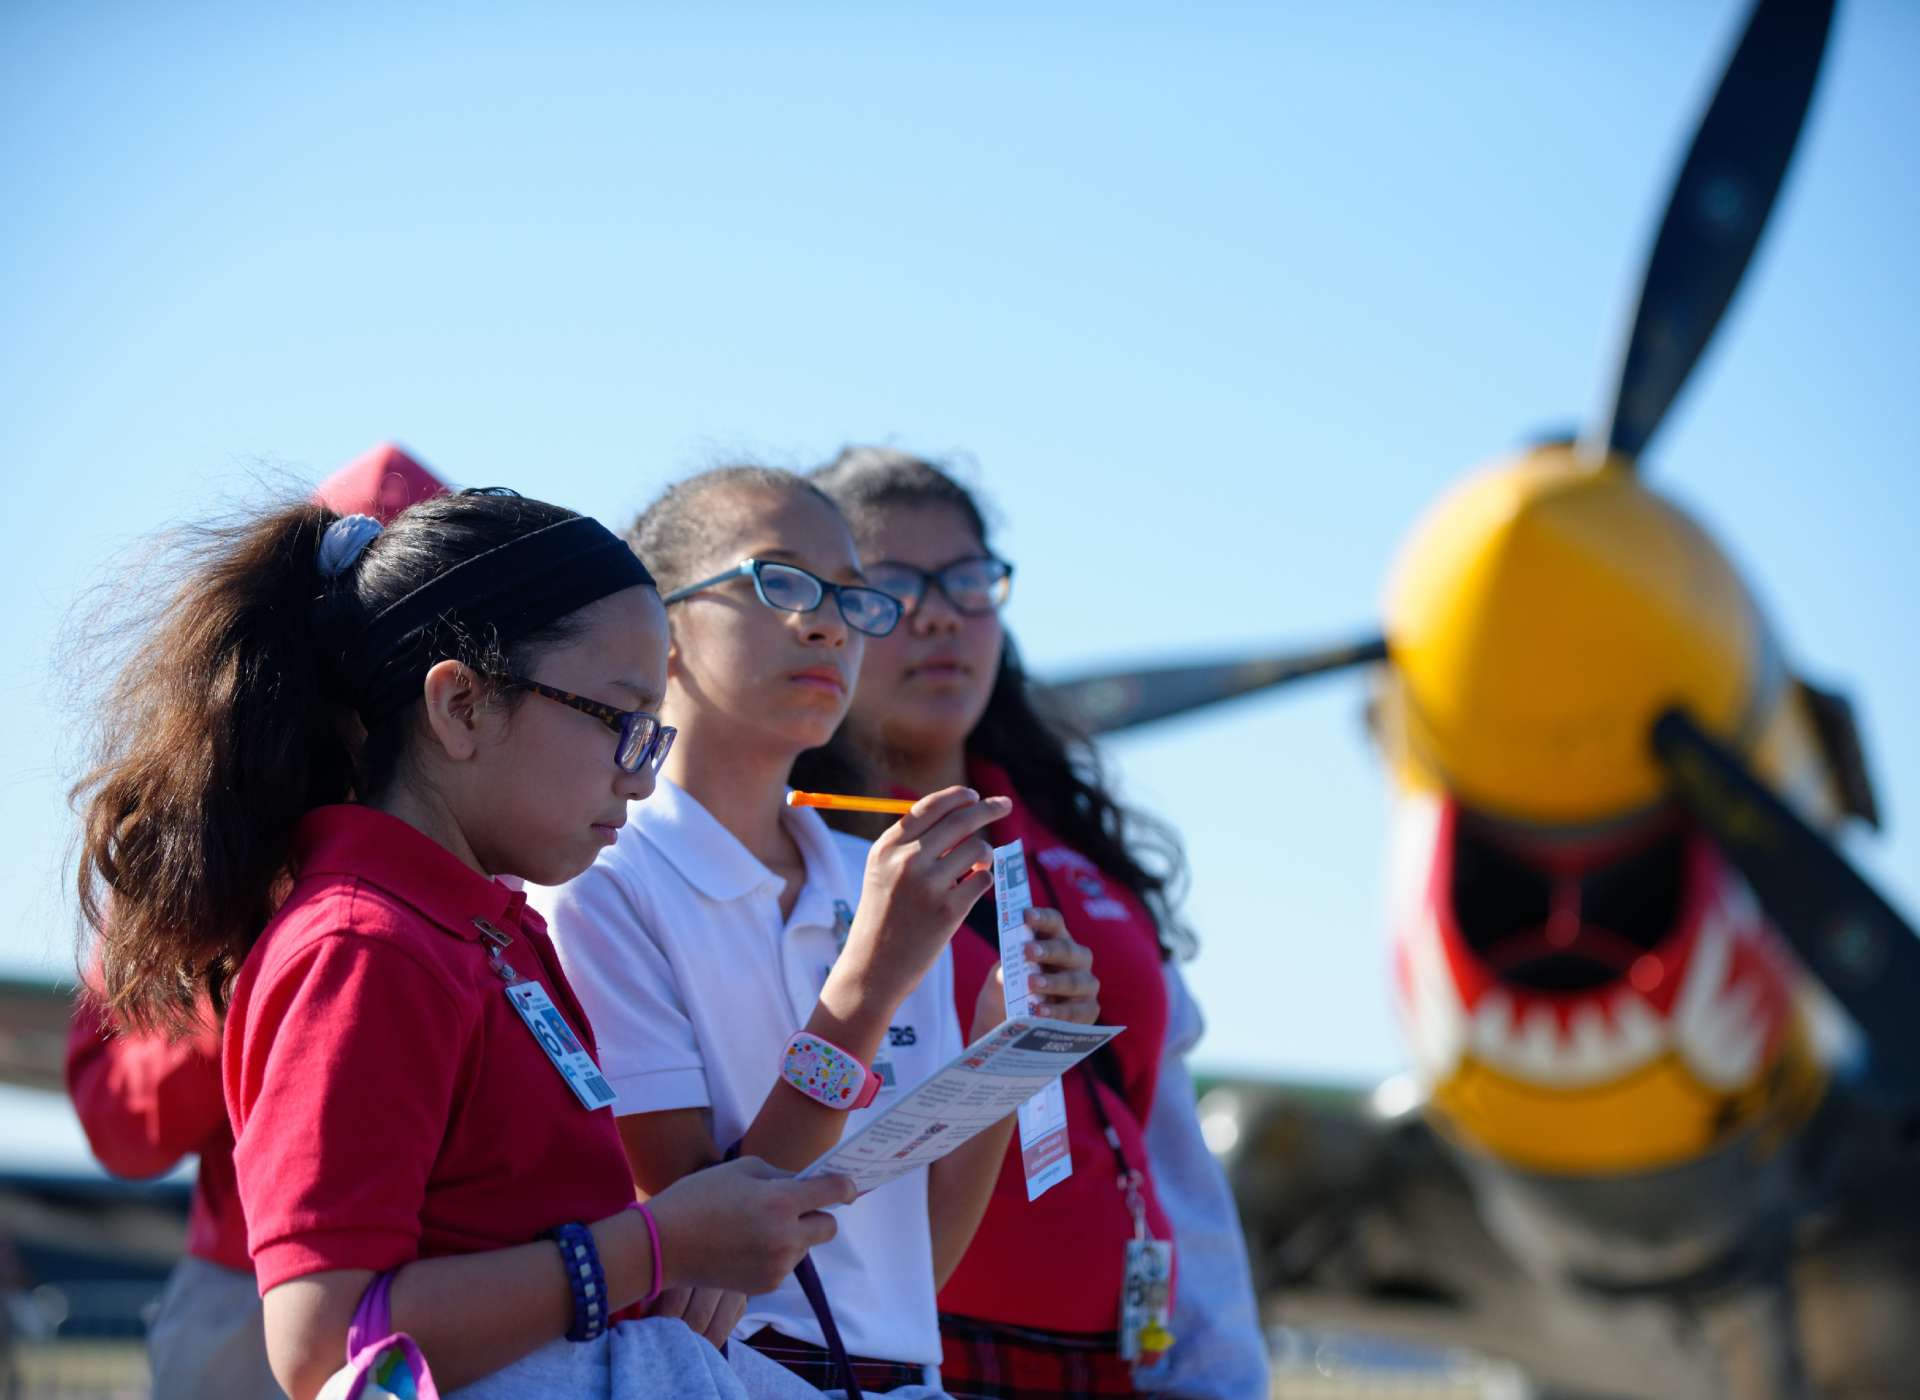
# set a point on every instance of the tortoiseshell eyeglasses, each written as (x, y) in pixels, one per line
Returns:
(644, 740)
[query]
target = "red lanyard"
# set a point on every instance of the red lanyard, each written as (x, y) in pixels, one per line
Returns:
(1100, 1068)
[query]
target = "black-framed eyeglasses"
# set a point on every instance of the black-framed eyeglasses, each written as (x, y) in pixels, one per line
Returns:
(975, 586)
(644, 740)
(790, 588)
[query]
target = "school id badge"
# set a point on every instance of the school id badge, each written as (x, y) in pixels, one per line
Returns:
(1146, 1293)
(553, 1035)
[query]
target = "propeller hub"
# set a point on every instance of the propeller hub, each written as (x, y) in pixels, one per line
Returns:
(1540, 618)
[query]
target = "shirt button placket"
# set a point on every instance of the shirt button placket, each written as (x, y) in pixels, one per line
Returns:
(796, 969)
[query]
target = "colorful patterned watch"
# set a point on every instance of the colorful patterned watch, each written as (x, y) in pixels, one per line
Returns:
(827, 1074)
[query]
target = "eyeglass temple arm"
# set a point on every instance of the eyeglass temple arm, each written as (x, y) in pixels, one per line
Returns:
(745, 566)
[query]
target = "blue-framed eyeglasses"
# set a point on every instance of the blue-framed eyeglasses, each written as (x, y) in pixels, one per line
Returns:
(790, 588)
(975, 586)
(644, 740)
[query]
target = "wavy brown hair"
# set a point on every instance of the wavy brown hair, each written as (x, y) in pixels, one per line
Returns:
(224, 727)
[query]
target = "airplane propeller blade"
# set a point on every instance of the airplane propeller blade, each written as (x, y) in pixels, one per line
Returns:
(1114, 700)
(1716, 213)
(1868, 956)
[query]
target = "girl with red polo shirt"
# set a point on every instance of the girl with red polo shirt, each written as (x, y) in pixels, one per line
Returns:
(147, 1101)
(341, 734)
(1033, 1307)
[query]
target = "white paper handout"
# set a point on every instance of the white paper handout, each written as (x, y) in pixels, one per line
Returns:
(971, 1092)
(1043, 1118)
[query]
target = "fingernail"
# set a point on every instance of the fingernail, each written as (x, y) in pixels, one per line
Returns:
(1037, 982)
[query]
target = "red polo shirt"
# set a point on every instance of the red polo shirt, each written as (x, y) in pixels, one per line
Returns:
(388, 1102)
(145, 1102)
(1057, 1263)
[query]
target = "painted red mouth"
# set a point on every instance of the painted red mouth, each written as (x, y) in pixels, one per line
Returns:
(1586, 974)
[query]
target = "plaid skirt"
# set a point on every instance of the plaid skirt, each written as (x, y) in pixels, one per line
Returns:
(993, 1361)
(814, 1365)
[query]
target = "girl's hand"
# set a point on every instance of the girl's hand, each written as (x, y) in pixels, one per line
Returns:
(990, 1007)
(1063, 985)
(743, 1225)
(712, 1312)
(923, 874)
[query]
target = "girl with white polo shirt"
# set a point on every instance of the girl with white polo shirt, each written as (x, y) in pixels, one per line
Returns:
(723, 928)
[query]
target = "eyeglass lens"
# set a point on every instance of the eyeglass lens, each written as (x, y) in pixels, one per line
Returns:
(795, 590)
(643, 740)
(974, 586)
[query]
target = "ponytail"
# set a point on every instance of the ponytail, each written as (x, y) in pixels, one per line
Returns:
(214, 740)
(284, 674)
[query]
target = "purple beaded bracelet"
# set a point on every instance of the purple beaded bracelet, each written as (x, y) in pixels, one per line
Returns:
(584, 1279)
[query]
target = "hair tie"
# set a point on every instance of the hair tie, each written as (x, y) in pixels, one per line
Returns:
(343, 542)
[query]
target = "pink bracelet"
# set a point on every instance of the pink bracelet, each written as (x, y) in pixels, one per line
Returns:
(653, 1238)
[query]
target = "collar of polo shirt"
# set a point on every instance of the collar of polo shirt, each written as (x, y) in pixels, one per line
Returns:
(713, 860)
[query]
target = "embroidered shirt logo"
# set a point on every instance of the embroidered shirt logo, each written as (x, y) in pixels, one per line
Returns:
(1097, 903)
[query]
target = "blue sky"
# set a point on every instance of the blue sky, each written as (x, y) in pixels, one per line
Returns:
(1209, 300)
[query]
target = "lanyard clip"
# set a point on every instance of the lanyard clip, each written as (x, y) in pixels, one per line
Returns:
(497, 941)
(1130, 1182)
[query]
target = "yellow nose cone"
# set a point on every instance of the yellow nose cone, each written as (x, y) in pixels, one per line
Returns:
(1541, 617)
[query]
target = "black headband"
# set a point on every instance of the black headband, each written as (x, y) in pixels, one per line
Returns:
(500, 595)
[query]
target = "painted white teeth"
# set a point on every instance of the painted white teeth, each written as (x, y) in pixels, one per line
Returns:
(1716, 1023)
(1411, 838)
(1438, 1020)
(1706, 974)
(1537, 1048)
(1742, 1004)
(1493, 1026)
(1638, 1027)
(1723, 1041)
(1592, 1046)
(1599, 1044)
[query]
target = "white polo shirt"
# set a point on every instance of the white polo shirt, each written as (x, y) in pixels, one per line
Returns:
(674, 943)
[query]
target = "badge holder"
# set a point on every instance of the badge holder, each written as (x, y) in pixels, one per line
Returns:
(1147, 1285)
(544, 1022)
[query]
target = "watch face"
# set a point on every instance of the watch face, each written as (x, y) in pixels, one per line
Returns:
(823, 1072)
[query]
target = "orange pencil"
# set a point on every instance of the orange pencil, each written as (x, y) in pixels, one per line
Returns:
(840, 802)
